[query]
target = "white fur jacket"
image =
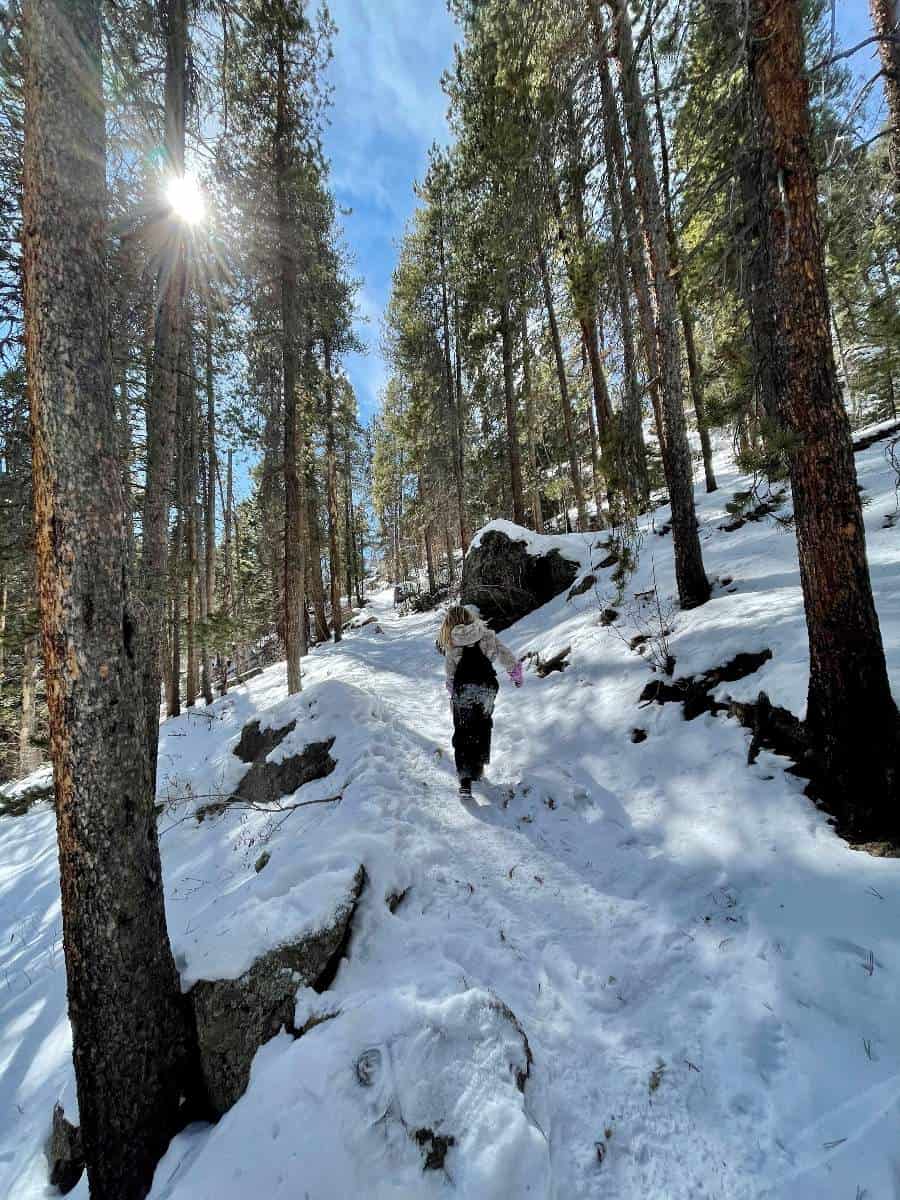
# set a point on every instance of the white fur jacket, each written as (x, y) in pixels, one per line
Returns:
(476, 634)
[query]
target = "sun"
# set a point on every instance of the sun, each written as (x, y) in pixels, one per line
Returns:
(186, 199)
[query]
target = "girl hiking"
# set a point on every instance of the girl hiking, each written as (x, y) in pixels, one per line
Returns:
(469, 650)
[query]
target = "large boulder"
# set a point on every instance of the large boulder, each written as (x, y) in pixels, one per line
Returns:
(508, 576)
(234, 1017)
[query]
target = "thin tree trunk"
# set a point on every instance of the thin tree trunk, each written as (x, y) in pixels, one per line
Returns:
(164, 385)
(851, 714)
(176, 556)
(695, 373)
(29, 754)
(189, 505)
(636, 258)
(294, 598)
(565, 402)
(534, 486)
(131, 1039)
(460, 419)
(334, 558)
(211, 466)
(315, 582)
(693, 585)
(229, 591)
(427, 537)
(512, 420)
(634, 453)
(349, 541)
(452, 416)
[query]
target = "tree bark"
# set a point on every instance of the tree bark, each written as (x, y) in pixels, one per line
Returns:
(334, 558)
(636, 257)
(634, 453)
(452, 416)
(164, 384)
(695, 372)
(886, 22)
(512, 419)
(851, 714)
(294, 598)
(130, 1034)
(211, 466)
(534, 486)
(693, 585)
(189, 504)
(565, 401)
(315, 584)
(29, 754)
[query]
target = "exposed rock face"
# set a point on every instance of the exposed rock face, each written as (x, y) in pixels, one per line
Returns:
(266, 781)
(256, 743)
(235, 1017)
(507, 582)
(64, 1153)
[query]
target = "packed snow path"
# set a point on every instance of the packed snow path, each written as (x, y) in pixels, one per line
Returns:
(706, 975)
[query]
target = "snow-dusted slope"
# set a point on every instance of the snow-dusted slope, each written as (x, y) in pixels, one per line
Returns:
(708, 978)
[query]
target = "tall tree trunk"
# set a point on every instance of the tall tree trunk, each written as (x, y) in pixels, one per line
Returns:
(633, 451)
(695, 372)
(587, 322)
(130, 1035)
(350, 565)
(851, 714)
(189, 507)
(636, 258)
(294, 598)
(460, 416)
(334, 558)
(29, 754)
(229, 592)
(164, 384)
(177, 555)
(211, 466)
(452, 415)
(534, 485)
(427, 537)
(512, 419)
(693, 585)
(886, 22)
(315, 584)
(565, 402)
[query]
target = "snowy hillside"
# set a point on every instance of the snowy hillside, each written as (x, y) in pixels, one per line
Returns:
(634, 966)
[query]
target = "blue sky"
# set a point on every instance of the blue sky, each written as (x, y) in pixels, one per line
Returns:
(388, 109)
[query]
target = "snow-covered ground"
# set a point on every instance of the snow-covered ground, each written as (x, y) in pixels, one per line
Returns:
(706, 975)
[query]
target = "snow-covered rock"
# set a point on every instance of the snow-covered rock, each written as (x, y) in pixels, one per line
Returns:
(234, 1017)
(510, 571)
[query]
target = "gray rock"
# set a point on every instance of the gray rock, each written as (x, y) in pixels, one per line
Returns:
(506, 582)
(234, 1017)
(64, 1152)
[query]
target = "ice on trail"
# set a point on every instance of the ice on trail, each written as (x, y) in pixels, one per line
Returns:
(624, 969)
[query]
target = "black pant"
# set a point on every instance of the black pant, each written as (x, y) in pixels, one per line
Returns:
(474, 691)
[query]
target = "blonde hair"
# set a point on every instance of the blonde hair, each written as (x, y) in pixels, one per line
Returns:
(456, 615)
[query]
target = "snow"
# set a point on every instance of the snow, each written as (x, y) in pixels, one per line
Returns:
(570, 546)
(707, 976)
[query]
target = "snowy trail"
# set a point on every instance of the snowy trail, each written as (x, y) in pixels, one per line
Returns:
(707, 976)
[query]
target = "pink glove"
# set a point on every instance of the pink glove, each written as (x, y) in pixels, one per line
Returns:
(516, 675)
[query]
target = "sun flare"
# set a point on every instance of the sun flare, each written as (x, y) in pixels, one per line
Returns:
(186, 199)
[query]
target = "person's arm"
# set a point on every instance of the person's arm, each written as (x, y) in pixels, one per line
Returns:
(452, 656)
(495, 649)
